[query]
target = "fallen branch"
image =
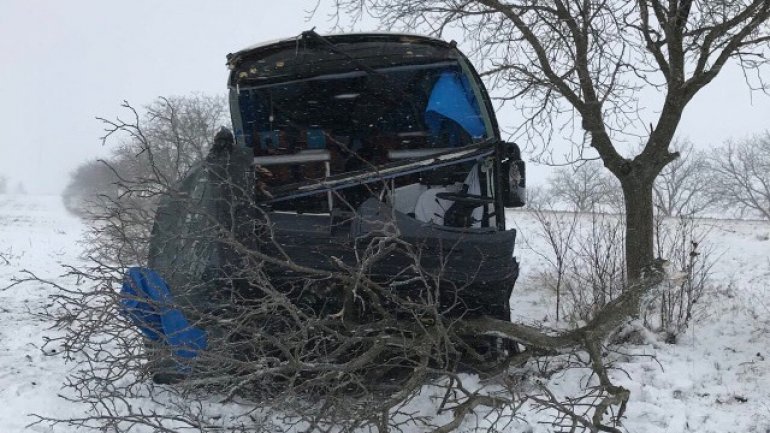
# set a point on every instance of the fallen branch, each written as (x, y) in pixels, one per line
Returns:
(606, 320)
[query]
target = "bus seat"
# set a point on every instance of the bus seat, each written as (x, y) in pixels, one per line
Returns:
(316, 139)
(269, 139)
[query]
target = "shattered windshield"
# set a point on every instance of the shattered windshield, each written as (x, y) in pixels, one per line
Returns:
(310, 114)
(403, 107)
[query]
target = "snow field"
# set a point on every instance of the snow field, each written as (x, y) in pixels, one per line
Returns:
(36, 234)
(716, 378)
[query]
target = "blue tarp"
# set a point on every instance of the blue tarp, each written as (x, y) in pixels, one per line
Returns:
(452, 98)
(148, 302)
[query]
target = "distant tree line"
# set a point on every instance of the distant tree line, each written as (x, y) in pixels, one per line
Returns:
(733, 179)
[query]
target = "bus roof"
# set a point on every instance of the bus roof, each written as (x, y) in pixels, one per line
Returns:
(257, 49)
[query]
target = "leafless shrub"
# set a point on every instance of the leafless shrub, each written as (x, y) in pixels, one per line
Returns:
(758, 304)
(677, 303)
(596, 271)
(584, 257)
(87, 183)
(586, 269)
(557, 230)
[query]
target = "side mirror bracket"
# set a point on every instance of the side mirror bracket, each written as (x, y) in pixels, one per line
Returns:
(513, 172)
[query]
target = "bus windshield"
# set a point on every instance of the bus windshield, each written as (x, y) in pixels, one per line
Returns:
(314, 112)
(425, 106)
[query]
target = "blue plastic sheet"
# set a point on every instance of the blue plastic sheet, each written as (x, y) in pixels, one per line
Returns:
(148, 302)
(452, 98)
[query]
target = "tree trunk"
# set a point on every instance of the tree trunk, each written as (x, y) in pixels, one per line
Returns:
(637, 194)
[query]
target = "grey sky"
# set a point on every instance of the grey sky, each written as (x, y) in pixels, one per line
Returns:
(64, 62)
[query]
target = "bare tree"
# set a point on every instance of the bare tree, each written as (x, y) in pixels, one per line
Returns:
(741, 176)
(156, 146)
(176, 132)
(585, 187)
(682, 186)
(3, 185)
(589, 59)
(180, 131)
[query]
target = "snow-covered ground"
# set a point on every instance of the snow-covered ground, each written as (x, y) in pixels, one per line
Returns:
(38, 235)
(715, 379)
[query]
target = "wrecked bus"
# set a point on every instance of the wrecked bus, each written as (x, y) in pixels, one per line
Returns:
(338, 139)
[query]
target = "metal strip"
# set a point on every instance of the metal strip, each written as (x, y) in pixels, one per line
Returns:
(472, 153)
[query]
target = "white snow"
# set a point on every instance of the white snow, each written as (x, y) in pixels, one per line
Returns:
(38, 235)
(715, 379)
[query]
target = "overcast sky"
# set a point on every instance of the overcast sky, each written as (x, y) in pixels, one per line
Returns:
(64, 62)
